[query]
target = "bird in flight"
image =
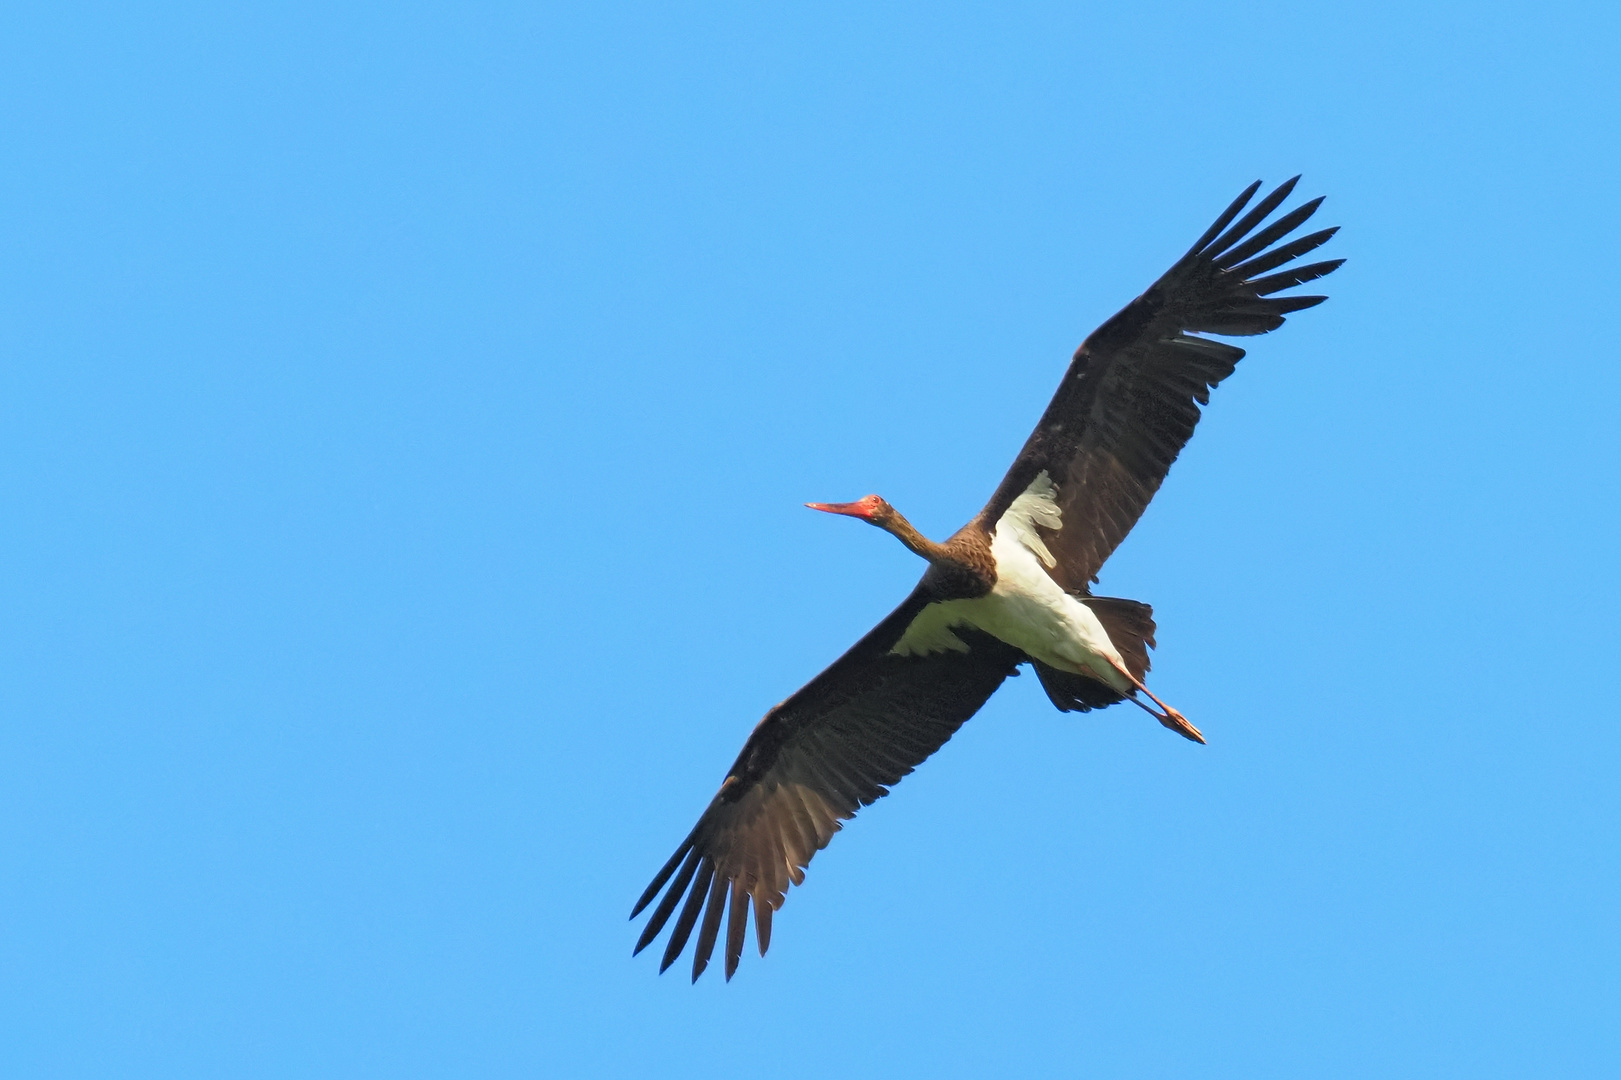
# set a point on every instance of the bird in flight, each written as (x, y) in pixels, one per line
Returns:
(1011, 587)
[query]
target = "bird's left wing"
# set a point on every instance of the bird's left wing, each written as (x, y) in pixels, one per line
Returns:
(811, 763)
(1132, 394)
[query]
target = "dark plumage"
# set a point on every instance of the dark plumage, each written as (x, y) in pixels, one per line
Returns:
(1125, 408)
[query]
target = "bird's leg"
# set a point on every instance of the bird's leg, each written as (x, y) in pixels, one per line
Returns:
(1171, 718)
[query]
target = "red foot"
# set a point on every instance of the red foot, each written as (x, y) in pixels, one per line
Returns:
(1179, 724)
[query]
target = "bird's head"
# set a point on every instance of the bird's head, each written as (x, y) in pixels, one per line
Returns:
(873, 510)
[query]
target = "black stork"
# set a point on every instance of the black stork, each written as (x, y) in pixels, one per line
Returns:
(1010, 587)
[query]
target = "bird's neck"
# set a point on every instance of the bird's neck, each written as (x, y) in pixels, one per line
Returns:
(918, 544)
(957, 569)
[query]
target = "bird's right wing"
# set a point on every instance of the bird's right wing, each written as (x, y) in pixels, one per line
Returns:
(812, 762)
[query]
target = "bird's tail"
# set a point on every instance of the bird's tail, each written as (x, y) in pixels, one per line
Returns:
(1130, 626)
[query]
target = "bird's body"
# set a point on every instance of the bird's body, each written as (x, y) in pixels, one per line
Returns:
(1024, 606)
(1013, 586)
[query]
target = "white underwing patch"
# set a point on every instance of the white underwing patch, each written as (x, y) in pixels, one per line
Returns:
(1038, 505)
(931, 632)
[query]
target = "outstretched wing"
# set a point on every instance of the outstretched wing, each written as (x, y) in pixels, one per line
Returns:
(835, 746)
(1131, 397)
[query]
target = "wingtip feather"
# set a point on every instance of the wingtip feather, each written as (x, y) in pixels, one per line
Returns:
(1254, 217)
(661, 914)
(1284, 253)
(661, 877)
(1226, 216)
(710, 928)
(1288, 279)
(737, 924)
(689, 915)
(1280, 228)
(762, 925)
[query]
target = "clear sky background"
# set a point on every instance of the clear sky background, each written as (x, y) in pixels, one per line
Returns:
(405, 412)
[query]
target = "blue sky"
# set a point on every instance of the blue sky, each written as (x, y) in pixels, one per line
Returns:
(404, 419)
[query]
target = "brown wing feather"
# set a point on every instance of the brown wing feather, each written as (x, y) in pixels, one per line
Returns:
(837, 745)
(1131, 397)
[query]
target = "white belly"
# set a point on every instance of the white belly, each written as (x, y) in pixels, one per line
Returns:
(1026, 608)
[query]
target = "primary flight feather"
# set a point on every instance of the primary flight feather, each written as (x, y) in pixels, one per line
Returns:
(1010, 587)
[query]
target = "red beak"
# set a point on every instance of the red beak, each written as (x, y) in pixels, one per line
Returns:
(860, 509)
